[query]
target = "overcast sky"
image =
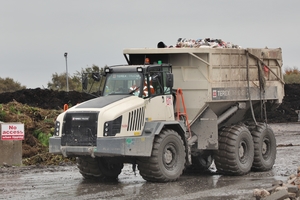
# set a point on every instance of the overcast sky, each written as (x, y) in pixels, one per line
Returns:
(35, 34)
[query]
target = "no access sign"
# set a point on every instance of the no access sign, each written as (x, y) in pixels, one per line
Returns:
(12, 131)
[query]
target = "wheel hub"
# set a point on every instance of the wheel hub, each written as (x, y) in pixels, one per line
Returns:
(168, 156)
(242, 150)
(264, 148)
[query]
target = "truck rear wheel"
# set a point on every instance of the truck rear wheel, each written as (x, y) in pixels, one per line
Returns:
(264, 148)
(236, 151)
(98, 168)
(167, 160)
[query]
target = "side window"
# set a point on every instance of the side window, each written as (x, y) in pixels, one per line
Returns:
(167, 90)
(157, 80)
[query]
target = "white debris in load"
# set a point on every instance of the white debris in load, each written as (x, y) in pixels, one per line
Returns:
(204, 43)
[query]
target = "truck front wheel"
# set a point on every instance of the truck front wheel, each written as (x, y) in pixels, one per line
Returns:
(167, 160)
(236, 151)
(264, 148)
(98, 168)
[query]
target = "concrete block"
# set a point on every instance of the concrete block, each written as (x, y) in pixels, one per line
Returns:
(279, 195)
(271, 189)
(11, 152)
(281, 188)
(292, 188)
(292, 195)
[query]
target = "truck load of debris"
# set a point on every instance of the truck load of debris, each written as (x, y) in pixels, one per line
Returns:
(200, 43)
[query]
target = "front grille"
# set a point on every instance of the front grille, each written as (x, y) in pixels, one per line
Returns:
(136, 119)
(79, 129)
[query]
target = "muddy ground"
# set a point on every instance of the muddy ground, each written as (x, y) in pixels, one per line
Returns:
(65, 182)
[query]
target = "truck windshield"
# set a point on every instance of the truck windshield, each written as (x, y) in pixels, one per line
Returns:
(122, 83)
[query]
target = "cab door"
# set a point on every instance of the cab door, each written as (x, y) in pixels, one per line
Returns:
(159, 99)
(159, 108)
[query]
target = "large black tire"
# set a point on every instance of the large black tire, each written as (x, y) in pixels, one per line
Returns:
(98, 168)
(264, 147)
(236, 151)
(167, 160)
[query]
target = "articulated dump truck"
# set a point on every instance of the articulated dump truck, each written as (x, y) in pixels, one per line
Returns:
(175, 109)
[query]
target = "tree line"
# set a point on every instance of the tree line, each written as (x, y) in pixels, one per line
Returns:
(291, 75)
(58, 81)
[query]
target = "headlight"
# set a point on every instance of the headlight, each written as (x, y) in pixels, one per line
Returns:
(111, 128)
(57, 127)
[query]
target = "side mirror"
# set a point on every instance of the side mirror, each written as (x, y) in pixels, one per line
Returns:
(96, 76)
(169, 80)
(84, 82)
(155, 77)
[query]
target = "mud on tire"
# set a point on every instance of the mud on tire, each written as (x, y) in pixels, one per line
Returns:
(167, 160)
(98, 168)
(264, 147)
(236, 151)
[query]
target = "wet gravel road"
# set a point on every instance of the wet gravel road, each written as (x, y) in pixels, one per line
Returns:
(65, 182)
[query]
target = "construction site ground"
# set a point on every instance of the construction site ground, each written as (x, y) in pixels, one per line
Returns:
(65, 182)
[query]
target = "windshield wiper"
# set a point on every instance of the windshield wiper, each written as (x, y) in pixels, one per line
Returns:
(131, 92)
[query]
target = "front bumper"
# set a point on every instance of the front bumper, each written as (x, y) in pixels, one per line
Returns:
(110, 146)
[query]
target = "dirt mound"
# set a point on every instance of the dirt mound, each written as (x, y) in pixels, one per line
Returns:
(44, 98)
(286, 111)
(38, 109)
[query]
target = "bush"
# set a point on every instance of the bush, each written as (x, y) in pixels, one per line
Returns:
(291, 75)
(42, 137)
(9, 85)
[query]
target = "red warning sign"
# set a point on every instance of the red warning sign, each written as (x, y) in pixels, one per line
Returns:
(10, 131)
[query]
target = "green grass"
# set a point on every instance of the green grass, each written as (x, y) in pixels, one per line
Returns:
(42, 137)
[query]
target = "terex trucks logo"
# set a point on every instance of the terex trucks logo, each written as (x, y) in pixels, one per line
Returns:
(220, 93)
(229, 93)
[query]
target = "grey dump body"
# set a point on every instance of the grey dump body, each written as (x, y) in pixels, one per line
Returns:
(220, 86)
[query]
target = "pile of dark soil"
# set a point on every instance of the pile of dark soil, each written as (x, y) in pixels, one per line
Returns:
(50, 99)
(38, 109)
(44, 98)
(286, 111)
